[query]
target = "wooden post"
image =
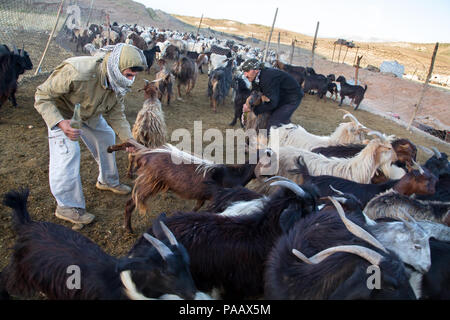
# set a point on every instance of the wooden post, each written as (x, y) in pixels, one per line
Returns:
(292, 52)
(270, 36)
(90, 12)
(354, 60)
(358, 60)
(109, 29)
(314, 45)
(278, 46)
(343, 60)
(334, 48)
(339, 55)
(50, 37)
(425, 86)
(198, 29)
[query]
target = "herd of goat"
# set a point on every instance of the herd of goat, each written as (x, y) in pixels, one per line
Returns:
(334, 207)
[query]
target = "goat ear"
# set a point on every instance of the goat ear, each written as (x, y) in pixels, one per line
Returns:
(289, 217)
(156, 226)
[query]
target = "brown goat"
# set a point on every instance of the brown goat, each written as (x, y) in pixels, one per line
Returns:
(138, 41)
(169, 169)
(165, 81)
(256, 122)
(185, 71)
(149, 128)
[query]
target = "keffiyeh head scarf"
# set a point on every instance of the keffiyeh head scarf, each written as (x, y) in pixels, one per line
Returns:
(122, 56)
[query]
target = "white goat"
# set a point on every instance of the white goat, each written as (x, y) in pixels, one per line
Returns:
(360, 168)
(297, 136)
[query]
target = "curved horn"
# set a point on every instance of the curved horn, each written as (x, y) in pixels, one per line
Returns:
(163, 250)
(173, 241)
(15, 49)
(277, 177)
(335, 190)
(426, 150)
(291, 186)
(421, 171)
(370, 255)
(355, 229)
(22, 53)
(378, 134)
(436, 152)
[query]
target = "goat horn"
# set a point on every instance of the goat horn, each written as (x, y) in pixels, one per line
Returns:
(291, 186)
(352, 117)
(355, 229)
(436, 152)
(15, 49)
(163, 250)
(378, 134)
(426, 149)
(277, 177)
(370, 255)
(421, 171)
(407, 215)
(173, 241)
(335, 190)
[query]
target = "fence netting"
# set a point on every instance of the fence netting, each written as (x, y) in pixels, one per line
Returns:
(29, 23)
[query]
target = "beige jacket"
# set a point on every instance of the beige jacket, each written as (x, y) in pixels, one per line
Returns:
(81, 80)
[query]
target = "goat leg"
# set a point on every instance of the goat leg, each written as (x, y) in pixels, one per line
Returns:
(198, 205)
(129, 208)
(12, 98)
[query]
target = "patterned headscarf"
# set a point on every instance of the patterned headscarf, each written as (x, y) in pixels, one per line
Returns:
(251, 64)
(119, 83)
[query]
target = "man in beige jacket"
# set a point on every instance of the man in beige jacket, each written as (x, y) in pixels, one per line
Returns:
(99, 84)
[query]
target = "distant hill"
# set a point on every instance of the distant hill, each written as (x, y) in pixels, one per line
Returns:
(415, 57)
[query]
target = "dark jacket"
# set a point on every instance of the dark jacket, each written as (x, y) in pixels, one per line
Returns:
(280, 87)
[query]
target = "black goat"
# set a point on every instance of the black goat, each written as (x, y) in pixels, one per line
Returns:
(242, 89)
(222, 199)
(355, 93)
(45, 253)
(12, 65)
(298, 72)
(440, 166)
(318, 82)
(228, 253)
(340, 255)
(150, 56)
(219, 84)
(414, 182)
(435, 284)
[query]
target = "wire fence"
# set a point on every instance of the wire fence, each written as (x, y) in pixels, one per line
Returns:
(28, 24)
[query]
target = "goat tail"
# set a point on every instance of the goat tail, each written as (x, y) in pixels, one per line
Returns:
(17, 200)
(365, 88)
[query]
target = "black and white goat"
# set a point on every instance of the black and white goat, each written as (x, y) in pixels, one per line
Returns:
(228, 253)
(342, 257)
(46, 257)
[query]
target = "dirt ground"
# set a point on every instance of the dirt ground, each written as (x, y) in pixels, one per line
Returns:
(24, 157)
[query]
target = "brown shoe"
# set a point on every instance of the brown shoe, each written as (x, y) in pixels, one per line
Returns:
(119, 189)
(74, 215)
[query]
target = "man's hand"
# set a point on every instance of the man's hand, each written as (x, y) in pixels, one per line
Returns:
(246, 107)
(131, 149)
(71, 133)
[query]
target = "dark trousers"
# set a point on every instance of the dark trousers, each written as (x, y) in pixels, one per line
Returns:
(282, 115)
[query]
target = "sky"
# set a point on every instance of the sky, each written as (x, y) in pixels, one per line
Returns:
(424, 21)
